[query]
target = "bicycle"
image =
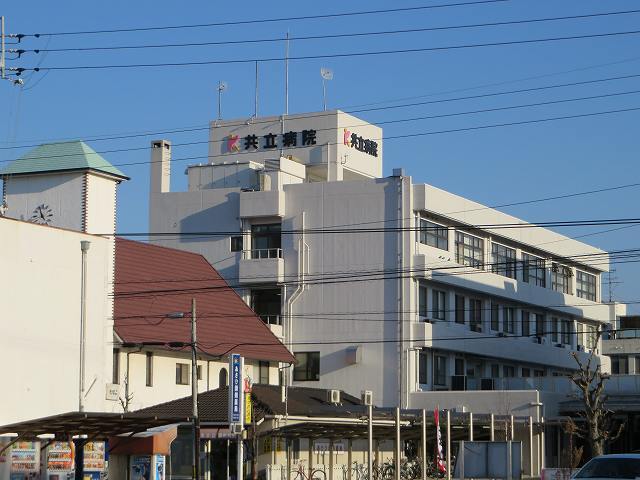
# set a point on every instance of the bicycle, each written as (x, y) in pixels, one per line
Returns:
(301, 473)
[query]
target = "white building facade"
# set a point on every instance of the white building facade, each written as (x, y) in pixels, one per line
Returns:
(422, 296)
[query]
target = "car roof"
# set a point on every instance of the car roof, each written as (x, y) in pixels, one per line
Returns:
(621, 455)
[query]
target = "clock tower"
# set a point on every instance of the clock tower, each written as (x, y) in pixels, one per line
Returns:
(66, 185)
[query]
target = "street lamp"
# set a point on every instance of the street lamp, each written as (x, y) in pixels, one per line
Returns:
(194, 389)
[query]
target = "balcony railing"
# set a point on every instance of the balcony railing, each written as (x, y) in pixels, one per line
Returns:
(271, 319)
(623, 333)
(262, 253)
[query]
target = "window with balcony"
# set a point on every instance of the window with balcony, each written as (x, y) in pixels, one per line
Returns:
(439, 370)
(526, 372)
(504, 260)
(438, 306)
(526, 323)
(422, 301)
(533, 270)
(619, 365)
(561, 278)
(509, 320)
(266, 241)
(495, 317)
(469, 250)
(539, 319)
(267, 304)
(553, 328)
(423, 357)
(475, 314)
(307, 367)
(586, 285)
(434, 235)
(508, 371)
(460, 309)
(566, 331)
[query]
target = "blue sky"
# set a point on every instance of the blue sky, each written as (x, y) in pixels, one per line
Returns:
(492, 166)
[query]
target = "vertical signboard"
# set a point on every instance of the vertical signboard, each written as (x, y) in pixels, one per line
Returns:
(236, 391)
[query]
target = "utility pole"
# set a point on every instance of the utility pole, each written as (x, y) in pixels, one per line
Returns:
(194, 394)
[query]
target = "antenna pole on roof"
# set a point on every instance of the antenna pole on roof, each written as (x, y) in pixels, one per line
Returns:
(286, 76)
(255, 111)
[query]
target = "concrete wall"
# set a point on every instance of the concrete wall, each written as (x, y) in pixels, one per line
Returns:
(40, 321)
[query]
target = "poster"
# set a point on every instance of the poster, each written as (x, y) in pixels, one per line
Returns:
(159, 467)
(25, 457)
(60, 457)
(141, 467)
(94, 457)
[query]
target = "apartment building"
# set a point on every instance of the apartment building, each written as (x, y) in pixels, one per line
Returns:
(376, 283)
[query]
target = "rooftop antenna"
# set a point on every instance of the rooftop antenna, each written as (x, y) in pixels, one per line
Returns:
(255, 110)
(222, 86)
(286, 76)
(326, 74)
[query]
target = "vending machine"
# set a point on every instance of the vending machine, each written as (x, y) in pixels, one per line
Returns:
(58, 461)
(25, 461)
(95, 462)
(147, 467)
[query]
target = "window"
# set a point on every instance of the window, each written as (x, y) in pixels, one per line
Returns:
(566, 332)
(267, 303)
(533, 270)
(263, 372)
(509, 320)
(199, 372)
(561, 278)
(619, 365)
(475, 314)
(307, 367)
(422, 301)
(149, 369)
(553, 328)
(182, 374)
(459, 366)
(495, 317)
(434, 235)
(265, 241)
(222, 377)
(504, 260)
(586, 285)
(438, 307)
(422, 367)
(460, 309)
(236, 243)
(469, 250)
(495, 371)
(591, 336)
(526, 372)
(508, 371)
(526, 323)
(637, 372)
(439, 370)
(539, 324)
(538, 373)
(115, 374)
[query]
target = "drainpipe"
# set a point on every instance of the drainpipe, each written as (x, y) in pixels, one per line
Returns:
(84, 248)
(299, 289)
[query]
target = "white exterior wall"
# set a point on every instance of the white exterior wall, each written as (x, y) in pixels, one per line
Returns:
(164, 387)
(101, 204)
(39, 345)
(62, 192)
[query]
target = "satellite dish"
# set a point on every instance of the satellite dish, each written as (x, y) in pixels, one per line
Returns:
(326, 73)
(222, 86)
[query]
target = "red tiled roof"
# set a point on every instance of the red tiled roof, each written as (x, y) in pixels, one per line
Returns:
(152, 281)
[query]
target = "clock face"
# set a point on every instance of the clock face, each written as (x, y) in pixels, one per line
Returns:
(42, 214)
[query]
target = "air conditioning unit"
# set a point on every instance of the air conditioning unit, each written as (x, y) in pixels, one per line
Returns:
(459, 382)
(236, 428)
(367, 397)
(333, 396)
(487, 384)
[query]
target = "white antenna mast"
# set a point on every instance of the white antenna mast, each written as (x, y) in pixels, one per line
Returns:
(326, 74)
(222, 86)
(255, 111)
(286, 76)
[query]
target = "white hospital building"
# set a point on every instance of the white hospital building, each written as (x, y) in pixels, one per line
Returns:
(378, 283)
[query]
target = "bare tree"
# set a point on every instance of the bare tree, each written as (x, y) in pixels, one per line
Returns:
(126, 399)
(600, 428)
(569, 458)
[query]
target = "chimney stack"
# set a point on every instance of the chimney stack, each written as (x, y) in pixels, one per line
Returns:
(160, 166)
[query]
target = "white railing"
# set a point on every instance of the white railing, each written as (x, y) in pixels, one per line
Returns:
(271, 319)
(262, 253)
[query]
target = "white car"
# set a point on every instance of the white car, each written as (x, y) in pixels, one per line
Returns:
(626, 465)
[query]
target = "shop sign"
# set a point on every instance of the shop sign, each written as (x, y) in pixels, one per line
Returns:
(360, 143)
(270, 141)
(322, 447)
(236, 393)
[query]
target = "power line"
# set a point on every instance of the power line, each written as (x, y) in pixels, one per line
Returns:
(333, 36)
(19, 70)
(267, 20)
(324, 114)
